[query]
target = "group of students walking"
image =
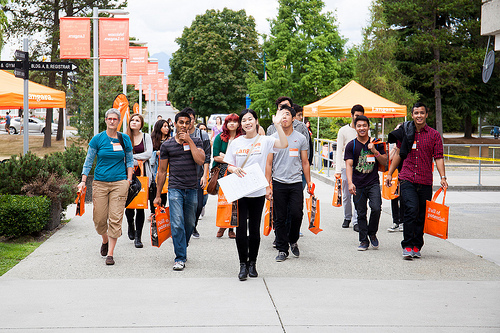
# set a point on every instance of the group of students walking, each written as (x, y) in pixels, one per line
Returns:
(283, 155)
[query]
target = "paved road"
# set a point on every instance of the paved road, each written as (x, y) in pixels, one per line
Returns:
(65, 286)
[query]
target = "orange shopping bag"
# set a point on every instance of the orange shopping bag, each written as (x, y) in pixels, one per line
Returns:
(160, 226)
(337, 192)
(141, 200)
(390, 193)
(268, 218)
(227, 212)
(436, 216)
(312, 205)
(80, 202)
(164, 189)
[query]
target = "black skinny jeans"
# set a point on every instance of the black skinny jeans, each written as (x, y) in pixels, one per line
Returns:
(414, 197)
(139, 219)
(248, 242)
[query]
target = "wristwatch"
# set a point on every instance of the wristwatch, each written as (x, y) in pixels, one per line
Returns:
(443, 177)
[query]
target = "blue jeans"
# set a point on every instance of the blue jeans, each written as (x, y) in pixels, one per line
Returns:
(183, 205)
(414, 197)
(372, 193)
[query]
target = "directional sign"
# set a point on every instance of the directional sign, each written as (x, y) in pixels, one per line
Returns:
(52, 66)
(21, 55)
(21, 73)
(10, 65)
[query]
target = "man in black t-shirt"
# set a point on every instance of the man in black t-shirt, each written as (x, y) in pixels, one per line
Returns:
(181, 154)
(362, 157)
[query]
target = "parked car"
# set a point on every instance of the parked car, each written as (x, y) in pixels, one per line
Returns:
(167, 103)
(211, 120)
(35, 125)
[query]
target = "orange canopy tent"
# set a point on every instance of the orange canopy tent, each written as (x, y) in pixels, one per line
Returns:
(339, 104)
(40, 96)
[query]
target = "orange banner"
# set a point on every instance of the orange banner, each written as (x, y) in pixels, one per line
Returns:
(113, 38)
(152, 77)
(137, 63)
(75, 37)
(110, 67)
(121, 104)
(161, 82)
(135, 108)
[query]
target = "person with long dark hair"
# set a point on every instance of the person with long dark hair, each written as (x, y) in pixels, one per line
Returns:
(248, 149)
(231, 129)
(161, 133)
(143, 150)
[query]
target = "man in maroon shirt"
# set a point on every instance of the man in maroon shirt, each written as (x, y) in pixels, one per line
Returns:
(416, 176)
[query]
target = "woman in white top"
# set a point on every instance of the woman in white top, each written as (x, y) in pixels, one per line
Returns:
(143, 150)
(251, 205)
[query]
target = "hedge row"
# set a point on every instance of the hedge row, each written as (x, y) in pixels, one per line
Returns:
(22, 215)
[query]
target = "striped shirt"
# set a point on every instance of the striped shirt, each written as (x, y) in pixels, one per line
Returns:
(182, 172)
(417, 167)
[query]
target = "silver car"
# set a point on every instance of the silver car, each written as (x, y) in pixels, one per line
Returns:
(35, 125)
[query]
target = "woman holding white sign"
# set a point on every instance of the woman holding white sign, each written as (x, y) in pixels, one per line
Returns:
(244, 151)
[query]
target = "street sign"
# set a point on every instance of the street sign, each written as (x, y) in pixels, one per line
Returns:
(52, 66)
(10, 65)
(21, 73)
(21, 55)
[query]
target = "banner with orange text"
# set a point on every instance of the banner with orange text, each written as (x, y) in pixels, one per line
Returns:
(110, 67)
(75, 38)
(113, 38)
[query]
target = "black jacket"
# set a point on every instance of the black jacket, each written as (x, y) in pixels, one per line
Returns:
(404, 134)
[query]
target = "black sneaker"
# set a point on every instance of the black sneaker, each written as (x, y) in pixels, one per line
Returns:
(195, 234)
(281, 257)
(356, 227)
(346, 223)
(374, 241)
(294, 248)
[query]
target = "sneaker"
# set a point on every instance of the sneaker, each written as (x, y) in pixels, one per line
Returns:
(295, 249)
(104, 250)
(109, 260)
(401, 227)
(416, 252)
(195, 234)
(281, 257)
(374, 241)
(407, 253)
(179, 265)
(395, 227)
(346, 223)
(274, 243)
(356, 227)
(363, 246)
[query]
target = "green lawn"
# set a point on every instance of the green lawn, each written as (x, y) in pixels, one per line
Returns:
(12, 253)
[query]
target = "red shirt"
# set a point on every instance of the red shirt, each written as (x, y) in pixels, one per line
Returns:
(417, 167)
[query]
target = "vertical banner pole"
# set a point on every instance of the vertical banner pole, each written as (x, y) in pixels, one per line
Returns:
(124, 89)
(140, 95)
(64, 126)
(26, 111)
(156, 105)
(95, 15)
(149, 110)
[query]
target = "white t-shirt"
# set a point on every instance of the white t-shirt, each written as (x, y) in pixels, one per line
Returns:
(345, 135)
(238, 150)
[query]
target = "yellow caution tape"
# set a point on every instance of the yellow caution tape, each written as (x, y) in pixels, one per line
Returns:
(474, 158)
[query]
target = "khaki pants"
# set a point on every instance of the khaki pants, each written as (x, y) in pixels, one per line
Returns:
(109, 204)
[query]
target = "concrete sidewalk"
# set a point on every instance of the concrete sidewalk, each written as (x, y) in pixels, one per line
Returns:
(65, 286)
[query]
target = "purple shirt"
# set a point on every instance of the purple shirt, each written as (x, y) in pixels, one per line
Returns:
(417, 167)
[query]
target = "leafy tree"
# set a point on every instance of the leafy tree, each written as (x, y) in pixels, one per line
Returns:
(436, 46)
(41, 18)
(3, 22)
(216, 54)
(304, 56)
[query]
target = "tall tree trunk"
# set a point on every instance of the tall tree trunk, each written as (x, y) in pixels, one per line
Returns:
(468, 125)
(437, 92)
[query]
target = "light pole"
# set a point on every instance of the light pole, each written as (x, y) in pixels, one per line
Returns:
(95, 20)
(149, 101)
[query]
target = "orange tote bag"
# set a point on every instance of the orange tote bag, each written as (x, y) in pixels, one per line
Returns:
(436, 216)
(80, 202)
(337, 192)
(141, 200)
(312, 205)
(227, 212)
(268, 218)
(160, 226)
(390, 193)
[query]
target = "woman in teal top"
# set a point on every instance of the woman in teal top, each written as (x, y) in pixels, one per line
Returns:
(112, 178)
(231, 129)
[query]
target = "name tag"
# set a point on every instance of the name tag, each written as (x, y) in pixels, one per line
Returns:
(294, 152)
(414, 145)
(370, 158)
(117, 146)
(186, 146)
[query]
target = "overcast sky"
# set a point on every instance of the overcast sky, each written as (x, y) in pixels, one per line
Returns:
(160, 22)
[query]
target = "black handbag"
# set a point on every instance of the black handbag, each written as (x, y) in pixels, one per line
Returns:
(135, 186)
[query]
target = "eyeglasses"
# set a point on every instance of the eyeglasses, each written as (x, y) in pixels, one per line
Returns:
(112, 119)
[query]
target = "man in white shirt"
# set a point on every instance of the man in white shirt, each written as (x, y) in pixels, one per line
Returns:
(345, 135)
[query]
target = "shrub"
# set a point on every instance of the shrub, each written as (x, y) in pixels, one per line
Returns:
(21, 215)
(57, 188)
